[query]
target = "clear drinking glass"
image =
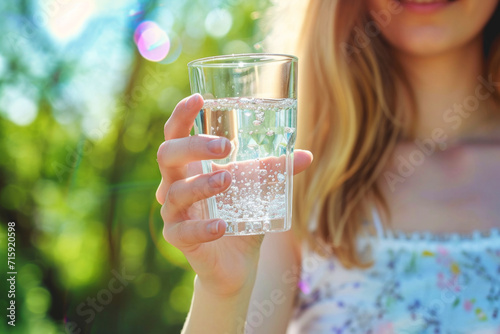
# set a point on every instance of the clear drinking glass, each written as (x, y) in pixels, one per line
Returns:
(251, 99)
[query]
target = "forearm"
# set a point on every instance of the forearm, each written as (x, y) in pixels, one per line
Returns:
(214, 314)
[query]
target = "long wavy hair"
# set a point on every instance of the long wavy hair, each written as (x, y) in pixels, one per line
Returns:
(347, 117)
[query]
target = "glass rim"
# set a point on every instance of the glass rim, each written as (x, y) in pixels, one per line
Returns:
(238, 60)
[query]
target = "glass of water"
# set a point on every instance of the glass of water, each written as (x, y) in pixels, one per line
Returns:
(251, 99)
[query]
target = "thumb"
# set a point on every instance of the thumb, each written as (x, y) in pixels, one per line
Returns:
(301, 160)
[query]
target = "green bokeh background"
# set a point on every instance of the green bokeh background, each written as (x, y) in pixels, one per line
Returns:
(81, 118)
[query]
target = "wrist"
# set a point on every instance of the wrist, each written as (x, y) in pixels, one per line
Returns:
(217, 313)
(211, 290)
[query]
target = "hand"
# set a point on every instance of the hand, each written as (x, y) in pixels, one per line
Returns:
(223, 265)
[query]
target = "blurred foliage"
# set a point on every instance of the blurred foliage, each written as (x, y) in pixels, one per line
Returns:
(81, 117)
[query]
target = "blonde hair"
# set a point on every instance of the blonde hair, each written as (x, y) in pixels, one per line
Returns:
(347, 119)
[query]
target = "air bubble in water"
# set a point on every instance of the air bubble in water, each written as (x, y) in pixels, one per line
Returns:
(281, 177)
(246, 200)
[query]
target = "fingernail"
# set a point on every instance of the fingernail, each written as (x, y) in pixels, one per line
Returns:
(217, 145)
(214, 226)
(217, 180)
(191, 101)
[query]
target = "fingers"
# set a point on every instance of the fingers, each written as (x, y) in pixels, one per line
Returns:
(183, 193)
(193, 233)
(190, 149)
(173, 155)
(302, 160)
(182, 119)
(179, 152)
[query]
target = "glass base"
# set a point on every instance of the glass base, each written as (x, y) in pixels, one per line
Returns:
(261, 226)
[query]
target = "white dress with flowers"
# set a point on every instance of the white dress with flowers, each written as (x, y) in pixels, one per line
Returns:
(419, 284)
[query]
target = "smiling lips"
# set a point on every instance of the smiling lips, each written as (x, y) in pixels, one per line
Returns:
(423, 2)
(425, 6)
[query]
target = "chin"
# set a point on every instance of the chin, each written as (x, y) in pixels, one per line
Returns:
(423, 41)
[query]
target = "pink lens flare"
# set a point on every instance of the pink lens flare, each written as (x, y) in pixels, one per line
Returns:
(152, 41)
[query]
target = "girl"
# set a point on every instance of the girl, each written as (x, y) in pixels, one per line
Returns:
(395, 221)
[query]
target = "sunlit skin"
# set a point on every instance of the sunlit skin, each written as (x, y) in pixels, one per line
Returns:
(442, 56)
(225, 267)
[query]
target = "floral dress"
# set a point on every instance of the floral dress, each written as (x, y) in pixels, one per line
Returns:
(419, 284)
